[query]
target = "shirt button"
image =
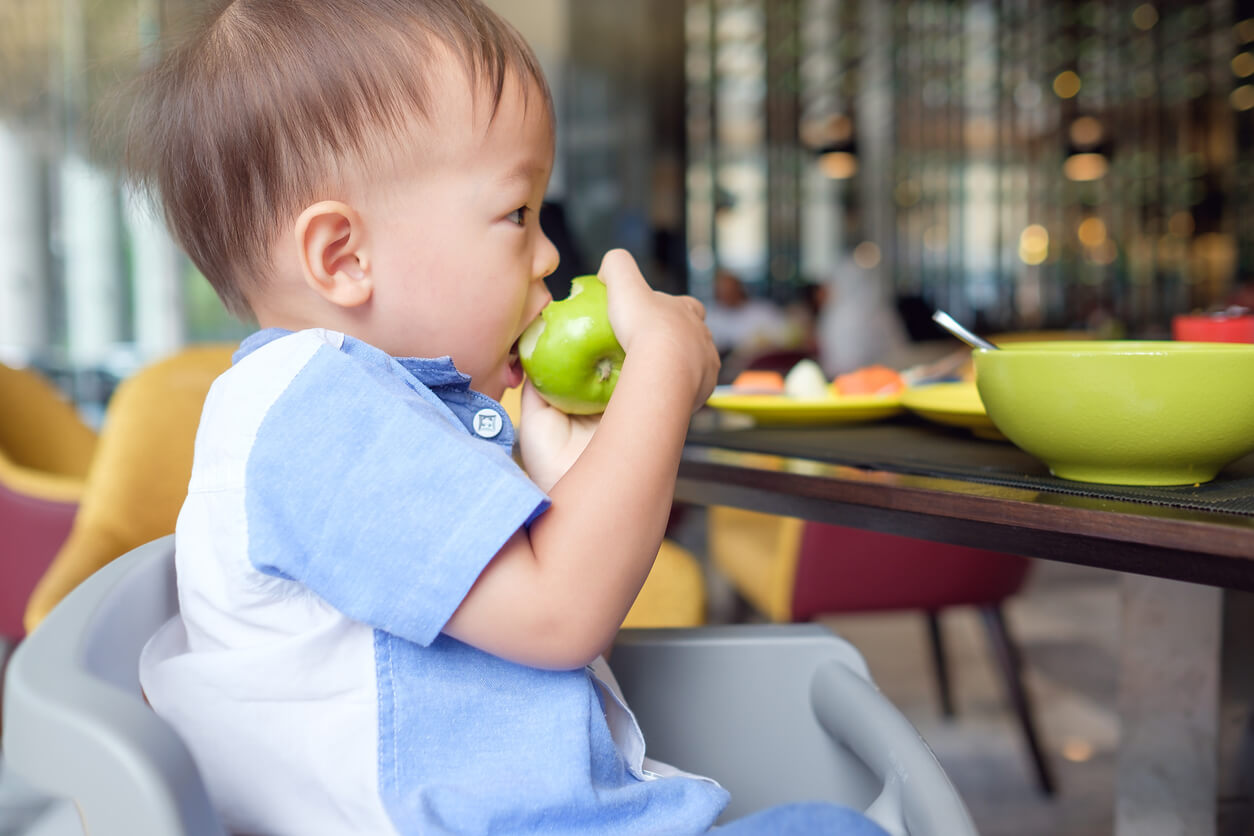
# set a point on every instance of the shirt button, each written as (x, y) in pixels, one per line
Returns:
(487, 423)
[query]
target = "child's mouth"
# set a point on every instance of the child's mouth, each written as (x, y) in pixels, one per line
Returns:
(515, 366)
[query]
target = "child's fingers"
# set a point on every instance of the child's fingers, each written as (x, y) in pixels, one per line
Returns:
(531, 399)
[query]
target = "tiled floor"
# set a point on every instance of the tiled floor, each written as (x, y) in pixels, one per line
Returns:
(1066, 622)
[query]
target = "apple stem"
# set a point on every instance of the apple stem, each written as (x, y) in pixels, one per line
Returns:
(605, 367)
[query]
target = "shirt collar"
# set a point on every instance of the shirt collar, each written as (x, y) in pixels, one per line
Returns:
(430, 371)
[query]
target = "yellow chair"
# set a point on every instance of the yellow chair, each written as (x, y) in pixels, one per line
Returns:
(138, 477)
(674, 593)
(45, 451)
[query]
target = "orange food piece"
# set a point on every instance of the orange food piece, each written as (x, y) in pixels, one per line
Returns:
(759, 380)
(869, 380)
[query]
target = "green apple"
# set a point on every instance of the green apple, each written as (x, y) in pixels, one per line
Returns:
(570, 353)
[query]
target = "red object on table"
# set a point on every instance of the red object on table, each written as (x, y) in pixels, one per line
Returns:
(1221, 327)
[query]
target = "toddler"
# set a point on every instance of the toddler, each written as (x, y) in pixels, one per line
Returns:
(385, 626)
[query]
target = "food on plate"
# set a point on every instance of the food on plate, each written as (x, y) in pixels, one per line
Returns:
(806, 380)
(759, 382)
(869, 380)
(570, 353)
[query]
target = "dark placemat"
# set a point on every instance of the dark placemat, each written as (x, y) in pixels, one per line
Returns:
(907, 445)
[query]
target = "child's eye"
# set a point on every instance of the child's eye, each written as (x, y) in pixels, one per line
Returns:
(518, 216)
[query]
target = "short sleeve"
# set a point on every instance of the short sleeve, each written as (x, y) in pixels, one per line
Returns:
(378, 502)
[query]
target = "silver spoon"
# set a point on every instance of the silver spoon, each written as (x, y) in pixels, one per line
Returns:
(951, 325)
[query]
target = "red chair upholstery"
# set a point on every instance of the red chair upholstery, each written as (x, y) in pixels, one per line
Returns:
(850, 570)
(45, 452)
(34, 529)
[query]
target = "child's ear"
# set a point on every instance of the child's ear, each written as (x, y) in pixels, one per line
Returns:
(330, 242)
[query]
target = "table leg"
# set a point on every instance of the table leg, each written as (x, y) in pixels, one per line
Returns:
(1169, 678)
(1236, 717)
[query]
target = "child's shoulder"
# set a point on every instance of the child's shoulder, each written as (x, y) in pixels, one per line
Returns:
(264, 368)
(269, 360)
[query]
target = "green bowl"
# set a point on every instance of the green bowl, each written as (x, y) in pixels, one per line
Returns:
(1123, 412)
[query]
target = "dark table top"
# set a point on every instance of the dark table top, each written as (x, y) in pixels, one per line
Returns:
(907, 476)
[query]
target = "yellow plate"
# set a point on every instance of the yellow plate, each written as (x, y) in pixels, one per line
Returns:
(779, 410)
(954, 404)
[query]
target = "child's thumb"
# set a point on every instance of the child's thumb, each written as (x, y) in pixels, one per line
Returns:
(621, 274)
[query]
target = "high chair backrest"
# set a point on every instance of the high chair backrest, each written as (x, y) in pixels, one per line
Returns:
(75, 723)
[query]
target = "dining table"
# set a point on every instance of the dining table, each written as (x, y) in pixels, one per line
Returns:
(1184, 554)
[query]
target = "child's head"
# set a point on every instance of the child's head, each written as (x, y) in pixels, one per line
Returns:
(336, 163)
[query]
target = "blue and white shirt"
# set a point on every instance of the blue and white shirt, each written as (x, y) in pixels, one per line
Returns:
(341, 505)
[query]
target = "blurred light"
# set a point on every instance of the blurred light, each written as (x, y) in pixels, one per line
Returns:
(1180, 224)
(832, 129)
(1091, 232)
(1084, 167)
(906, 193)
(936, 238)
(1104, 253)
(1086, 131)
(1066, 84)
(1077, 749)
(1242, 98)
(1245, 30)
(1171, 250)
(1033, 244)
(1243, 64)
(838, 165)
(838, 128)
(1144, 17)
(1027, 94)
(980, 133)
(866, 255)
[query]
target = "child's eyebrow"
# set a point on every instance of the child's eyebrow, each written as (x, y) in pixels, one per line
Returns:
(526, 170)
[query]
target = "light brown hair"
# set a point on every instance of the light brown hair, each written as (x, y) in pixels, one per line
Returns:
(237, 128)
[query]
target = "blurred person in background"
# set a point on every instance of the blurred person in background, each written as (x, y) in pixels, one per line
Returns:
(747, 325)
(857, 326)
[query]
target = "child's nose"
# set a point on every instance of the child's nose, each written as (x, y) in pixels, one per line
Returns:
(546, 259)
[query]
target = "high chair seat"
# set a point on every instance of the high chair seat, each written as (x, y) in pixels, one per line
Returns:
(775, 713)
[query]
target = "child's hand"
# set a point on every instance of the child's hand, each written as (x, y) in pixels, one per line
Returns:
(549, 439)
(670, 329)
(556, 594)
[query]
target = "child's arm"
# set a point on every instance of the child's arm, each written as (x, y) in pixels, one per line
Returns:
(555, 596)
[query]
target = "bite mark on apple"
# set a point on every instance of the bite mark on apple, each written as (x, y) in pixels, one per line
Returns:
(527, 342)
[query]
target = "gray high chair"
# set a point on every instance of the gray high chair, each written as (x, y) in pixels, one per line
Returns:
(775, 713)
